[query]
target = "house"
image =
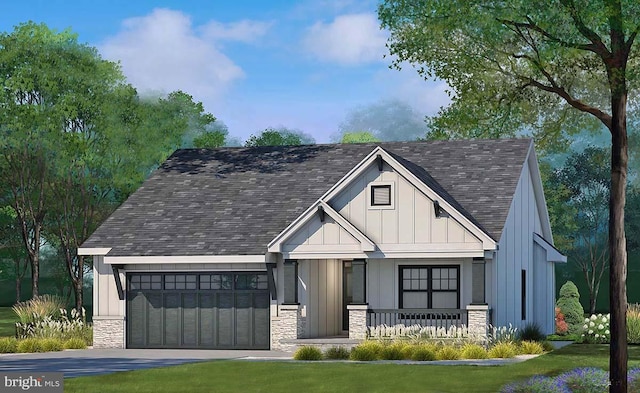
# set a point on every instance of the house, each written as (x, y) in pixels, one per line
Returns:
(260, 247)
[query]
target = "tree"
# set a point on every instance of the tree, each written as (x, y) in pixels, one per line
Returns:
(540, 67)
(358, 137)
(214, 136)
(279, 137)
(13, 259)
(586, 176)
(386, 120)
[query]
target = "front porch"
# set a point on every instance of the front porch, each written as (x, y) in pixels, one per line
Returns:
(341, 302)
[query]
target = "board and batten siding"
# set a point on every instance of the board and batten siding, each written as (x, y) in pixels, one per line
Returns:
(516, 253)
(410, 220)
(316, 235)
(320, 294)
(383, 280)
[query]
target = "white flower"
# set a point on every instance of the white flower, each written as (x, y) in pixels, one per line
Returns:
(590, 331)
(597, 335)
(593, 317)
(591, 324)
(606, 332)
(600, 327)
(585, 327)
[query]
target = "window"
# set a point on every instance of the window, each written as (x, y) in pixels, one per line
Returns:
(429, 287)
(381, 195)
(523, 295)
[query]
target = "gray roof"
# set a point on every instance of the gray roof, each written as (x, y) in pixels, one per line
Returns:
(234, 201)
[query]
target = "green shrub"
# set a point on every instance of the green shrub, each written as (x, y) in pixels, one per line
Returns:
(393, 351)
(633, 324)
(8, 345)
(29, 345)
(407, 351)
(547, 346)
(448, 352)
(473, 351)
(423, 353)
(366, 352)
(531, 332)
(51, 344)
(308, 352)
(503, 350)
(337, 353)
(569, 304)
(75, 343)
(530, 348)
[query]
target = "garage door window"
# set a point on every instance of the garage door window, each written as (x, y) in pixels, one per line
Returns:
(215, 281)
(146, 282)
(251, 281)
(180, 281)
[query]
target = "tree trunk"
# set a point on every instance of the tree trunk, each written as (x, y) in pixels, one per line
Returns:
(18, 288)
(617, 245)
(35, 273)
(592, 304)
(79, 283)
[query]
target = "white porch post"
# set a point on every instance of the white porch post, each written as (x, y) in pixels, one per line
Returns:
(478, 320)
(357, 321)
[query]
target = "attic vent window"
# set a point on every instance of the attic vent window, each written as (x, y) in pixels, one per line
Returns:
(381, 195)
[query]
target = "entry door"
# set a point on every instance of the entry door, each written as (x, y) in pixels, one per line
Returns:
(347, 292)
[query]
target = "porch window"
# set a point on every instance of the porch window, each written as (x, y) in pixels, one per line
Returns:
(429, 287)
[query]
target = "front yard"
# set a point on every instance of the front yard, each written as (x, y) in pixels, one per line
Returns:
(274, 376)
(8, 321)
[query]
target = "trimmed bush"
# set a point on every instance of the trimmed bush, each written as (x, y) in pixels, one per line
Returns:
(569, 305)
(448, 352)
(393, 351)
(503, 350)
(561, 324)
(473, 351)
(531, 348)
(337, 353)
(75, 343)
(308, 352)
(408, 350)
(29, 345)
(363, 353)
(531, 332)
(8, 345)
(547, 346)
(423, 353)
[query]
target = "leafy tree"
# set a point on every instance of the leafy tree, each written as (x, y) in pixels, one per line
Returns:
(387, 120)
(215, 135)
(358, 137)
(279, 137)
(13, 258)
(569, 305)
(538, 67)
(586, 176)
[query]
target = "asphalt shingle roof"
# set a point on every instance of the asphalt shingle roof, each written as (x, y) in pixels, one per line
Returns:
(234, 201)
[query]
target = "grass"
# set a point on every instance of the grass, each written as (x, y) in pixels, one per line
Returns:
(231, 376)
(8, 321)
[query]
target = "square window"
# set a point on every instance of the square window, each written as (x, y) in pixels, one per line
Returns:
(381, 195)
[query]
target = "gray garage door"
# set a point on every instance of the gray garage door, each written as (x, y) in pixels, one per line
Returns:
(198, 310)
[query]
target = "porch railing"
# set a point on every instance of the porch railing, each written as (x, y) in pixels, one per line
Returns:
(433, 317)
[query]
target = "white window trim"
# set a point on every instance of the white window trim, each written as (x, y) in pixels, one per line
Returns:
(393, 195)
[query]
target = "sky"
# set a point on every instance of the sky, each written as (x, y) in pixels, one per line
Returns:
(253, 64)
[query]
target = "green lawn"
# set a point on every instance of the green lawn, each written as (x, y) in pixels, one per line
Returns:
(267, 376)
(7, 322)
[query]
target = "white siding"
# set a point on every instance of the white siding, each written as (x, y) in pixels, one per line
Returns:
(409, 221)
(105, 292)
(515, 254)
(318, 236)
(544, 306)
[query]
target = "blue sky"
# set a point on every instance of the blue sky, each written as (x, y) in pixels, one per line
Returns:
(254, 64)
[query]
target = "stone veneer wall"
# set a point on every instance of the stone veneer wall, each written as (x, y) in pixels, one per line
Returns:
(108, 332)
(288, 325)
(357, 321)
(478, 319)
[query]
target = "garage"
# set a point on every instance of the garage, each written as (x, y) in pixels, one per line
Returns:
(198, 310)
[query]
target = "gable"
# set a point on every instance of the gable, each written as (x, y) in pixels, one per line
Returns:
(409, 224)
(316, 236)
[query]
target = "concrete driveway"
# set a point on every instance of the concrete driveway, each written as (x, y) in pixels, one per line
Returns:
(82, 362)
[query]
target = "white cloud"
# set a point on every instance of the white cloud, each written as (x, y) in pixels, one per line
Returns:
(247, 31)
(425, 96)
(349, 40)
(163, 52)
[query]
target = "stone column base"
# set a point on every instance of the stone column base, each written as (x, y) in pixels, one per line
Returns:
(108, 331)
(357, 321)
(287, 325)
(478, 320)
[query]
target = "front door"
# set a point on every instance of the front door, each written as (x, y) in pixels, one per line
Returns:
(347, 292)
